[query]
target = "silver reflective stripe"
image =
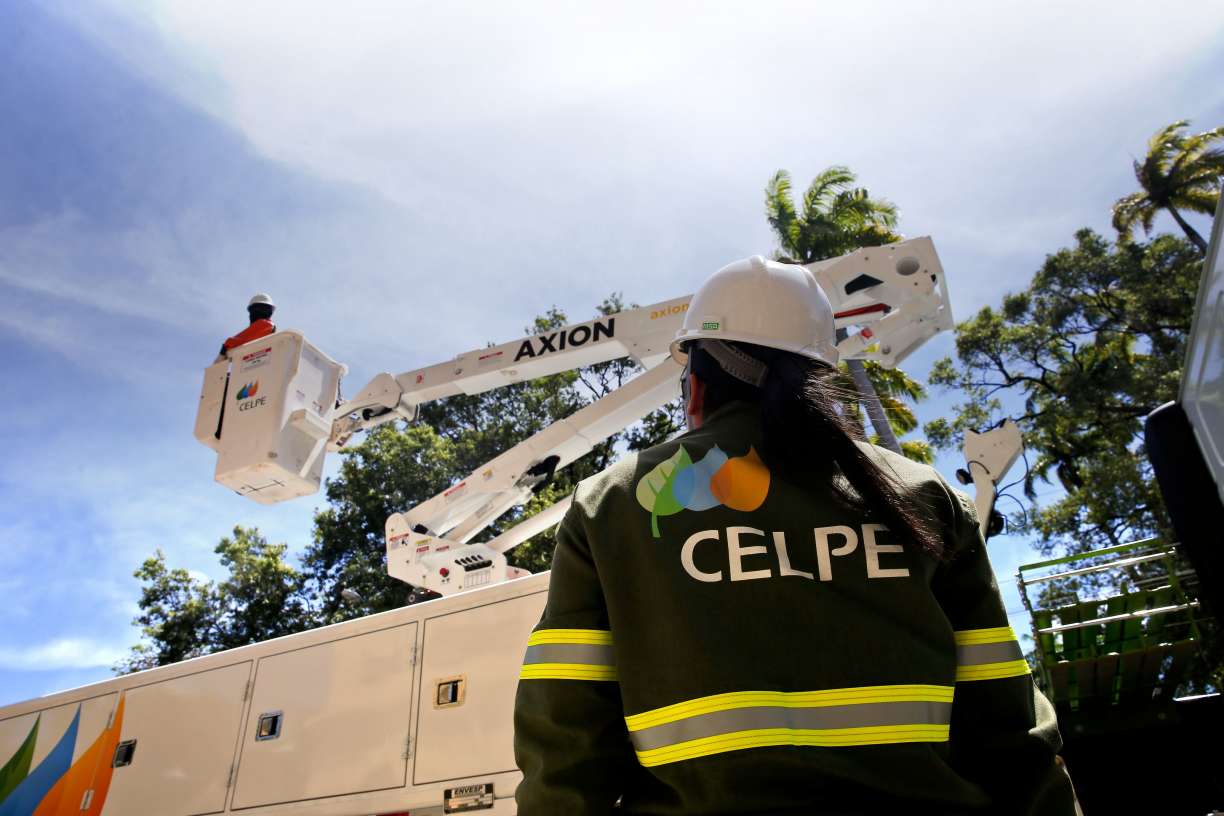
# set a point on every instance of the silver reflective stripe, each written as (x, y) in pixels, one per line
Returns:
(988, 653)
(859, 715)
(569, 653)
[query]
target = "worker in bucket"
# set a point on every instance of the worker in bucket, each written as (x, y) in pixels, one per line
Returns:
(767, 615)
(259, 310)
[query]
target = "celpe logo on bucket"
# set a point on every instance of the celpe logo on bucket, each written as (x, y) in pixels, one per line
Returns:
(246, 397)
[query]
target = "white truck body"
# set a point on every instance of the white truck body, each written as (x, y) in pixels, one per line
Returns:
(379, 715)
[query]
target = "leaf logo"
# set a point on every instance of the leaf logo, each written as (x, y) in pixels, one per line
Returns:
(247, 391)
(654, 491)
(678, 483)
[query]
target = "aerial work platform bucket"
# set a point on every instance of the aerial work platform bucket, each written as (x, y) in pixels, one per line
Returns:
(267, 412)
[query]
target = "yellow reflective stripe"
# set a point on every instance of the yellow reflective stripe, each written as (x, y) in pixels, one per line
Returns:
(789, 699)
(999, 634)
(765, 737)
(588, 637)
(992, 671)
(567, 671)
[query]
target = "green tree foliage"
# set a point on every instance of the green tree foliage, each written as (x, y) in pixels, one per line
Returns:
(1079, 358)
(838, 218)
(1180, 173)
(182, 617)
(391, 469)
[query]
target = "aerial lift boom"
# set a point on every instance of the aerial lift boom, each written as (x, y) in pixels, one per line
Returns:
(409, 709)
(889, 299)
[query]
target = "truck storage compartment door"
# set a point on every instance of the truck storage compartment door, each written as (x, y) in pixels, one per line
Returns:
(468, 679)
(178, 743)
(329, 720)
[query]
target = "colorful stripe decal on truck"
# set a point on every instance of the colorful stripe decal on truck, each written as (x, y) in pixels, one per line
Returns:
(58, 786)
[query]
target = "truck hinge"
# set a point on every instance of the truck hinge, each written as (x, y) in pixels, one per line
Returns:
(412, 656)
(408, 748)
(248, 690)
(87, 799)
(230, 778)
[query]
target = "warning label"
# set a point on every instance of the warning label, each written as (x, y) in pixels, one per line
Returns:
(256, 358)
(469, 797)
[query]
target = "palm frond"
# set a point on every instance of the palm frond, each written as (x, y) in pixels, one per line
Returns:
(1126, 211)
(918, 450)
(1206, 168)
(1167, 140)
(893, 382)
(780, 210)
(828, 182)
(1199, 201)
(1196, 142)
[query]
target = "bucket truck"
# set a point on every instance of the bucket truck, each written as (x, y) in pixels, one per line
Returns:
(408, 711)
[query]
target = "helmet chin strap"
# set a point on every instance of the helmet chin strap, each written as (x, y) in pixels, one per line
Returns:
(740, 365)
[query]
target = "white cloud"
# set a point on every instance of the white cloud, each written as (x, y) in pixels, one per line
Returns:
(61, 653)
(546, 152)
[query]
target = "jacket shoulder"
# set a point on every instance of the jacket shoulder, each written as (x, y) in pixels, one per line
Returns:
(619, 481)
(925, 482)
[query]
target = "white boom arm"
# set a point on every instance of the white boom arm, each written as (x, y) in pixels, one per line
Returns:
(988, 457)
(895, 295)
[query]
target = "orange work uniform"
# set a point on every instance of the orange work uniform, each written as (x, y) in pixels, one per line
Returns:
(259, 328)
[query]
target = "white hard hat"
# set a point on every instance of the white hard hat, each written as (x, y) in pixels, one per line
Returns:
(262, 298)
(762, 302)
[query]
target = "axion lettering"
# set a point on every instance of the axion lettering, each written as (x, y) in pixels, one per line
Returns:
(681, 308)
(572, 338)
(763, 562)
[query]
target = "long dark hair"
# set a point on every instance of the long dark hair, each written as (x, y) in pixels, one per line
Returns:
(803, 414)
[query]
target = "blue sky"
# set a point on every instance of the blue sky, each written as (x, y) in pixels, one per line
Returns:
(412, 180)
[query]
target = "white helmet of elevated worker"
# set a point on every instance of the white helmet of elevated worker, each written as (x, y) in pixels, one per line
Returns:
(766, 303)
(261, 299)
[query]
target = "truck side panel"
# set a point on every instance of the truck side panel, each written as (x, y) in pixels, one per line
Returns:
(180, 736)
(469, 676)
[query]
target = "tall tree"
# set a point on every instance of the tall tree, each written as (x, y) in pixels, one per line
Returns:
(183, 617)
(838, 218)
(1180, 173)
(1094, 344)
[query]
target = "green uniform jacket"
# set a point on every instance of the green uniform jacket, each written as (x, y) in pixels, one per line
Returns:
(718, 639)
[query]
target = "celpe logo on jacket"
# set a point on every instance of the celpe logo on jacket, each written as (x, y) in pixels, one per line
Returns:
(679, 483)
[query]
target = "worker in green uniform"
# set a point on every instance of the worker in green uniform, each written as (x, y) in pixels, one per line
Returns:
(766, 616)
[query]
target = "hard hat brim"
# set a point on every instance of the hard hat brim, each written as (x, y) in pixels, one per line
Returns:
(825, 353)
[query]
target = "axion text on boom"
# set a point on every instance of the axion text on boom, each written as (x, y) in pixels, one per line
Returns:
(567, 338)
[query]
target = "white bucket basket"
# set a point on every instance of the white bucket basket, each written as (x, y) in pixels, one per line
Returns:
(270, 422)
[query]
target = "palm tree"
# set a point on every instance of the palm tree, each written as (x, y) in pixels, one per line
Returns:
(837, 218)
(1180, 173)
